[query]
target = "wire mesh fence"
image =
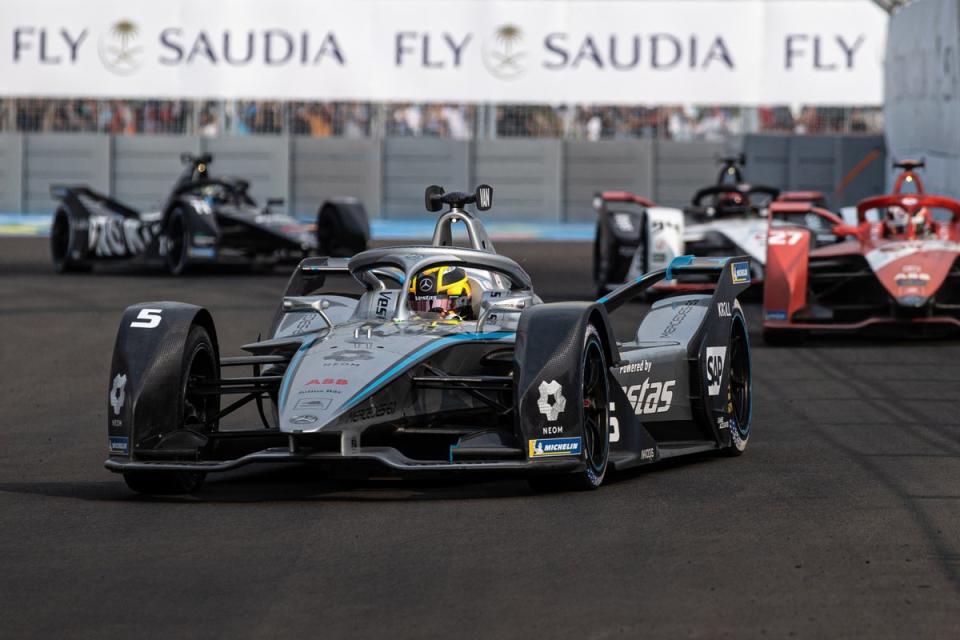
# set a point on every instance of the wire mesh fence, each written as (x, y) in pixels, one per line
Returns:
(438, 120)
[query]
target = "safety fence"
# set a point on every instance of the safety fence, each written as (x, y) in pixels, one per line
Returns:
(432, 120)
(547, 180)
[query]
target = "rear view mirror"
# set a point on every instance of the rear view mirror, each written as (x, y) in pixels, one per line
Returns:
(275, 202)
(433, 198)
(483, 197)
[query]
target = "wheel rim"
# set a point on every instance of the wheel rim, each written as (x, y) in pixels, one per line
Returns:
(595, 408)
(199, 409)
(740, 381)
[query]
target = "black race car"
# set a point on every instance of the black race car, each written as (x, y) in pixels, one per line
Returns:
(203, 220)
(437, 359)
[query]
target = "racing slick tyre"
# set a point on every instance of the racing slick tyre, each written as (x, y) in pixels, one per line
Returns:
(342, 228)
(739, 394)
(593, 400)
(604, 256)
(64, 244)
(177, 234)
(196, 415)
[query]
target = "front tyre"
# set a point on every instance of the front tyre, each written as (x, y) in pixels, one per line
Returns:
(177, 236)
(196, 413)
(593, 400)
(740, 389)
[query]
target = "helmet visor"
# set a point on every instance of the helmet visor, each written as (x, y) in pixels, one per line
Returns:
(428, 304)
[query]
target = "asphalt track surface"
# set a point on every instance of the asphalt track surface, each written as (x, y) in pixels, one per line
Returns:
(842, 520)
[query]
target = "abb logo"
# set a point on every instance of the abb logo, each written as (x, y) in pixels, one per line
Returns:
(327, 381)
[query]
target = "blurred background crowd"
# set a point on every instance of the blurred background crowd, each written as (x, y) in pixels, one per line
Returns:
(456, 121)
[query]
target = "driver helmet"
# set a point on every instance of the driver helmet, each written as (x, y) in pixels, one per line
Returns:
(896, 220)
(442, 290)
(729, 200)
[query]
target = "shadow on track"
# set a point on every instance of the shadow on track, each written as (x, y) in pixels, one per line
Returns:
(302, 483)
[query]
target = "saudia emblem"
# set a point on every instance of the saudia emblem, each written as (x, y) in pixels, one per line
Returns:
(501, 55)
(117, 48)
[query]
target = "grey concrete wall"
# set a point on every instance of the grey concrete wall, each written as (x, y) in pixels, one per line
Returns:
(922, 91)
(263, 160)
(818, 163)
(546, 180)
(615, 165)
(410, 164)
(11, 173)
(683, 167)
(65, 158)
(527, 177)
(322, 168)
(145, 167)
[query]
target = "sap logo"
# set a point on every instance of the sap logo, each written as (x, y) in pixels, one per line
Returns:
(542, 448)
(715, 358)
(383, 302)
(650, 397)
(776, 315)
(723, 309)
(740, 271)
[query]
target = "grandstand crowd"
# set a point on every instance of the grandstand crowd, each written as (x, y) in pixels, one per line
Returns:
(456, 121)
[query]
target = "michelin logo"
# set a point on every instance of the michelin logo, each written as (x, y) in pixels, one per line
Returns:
(740, 272)
(119, 444)
(542, 448)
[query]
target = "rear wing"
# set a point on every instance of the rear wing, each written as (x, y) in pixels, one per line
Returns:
(731, 273)
(602, 197)
(784, 211)
(71, 196)
(815, 198)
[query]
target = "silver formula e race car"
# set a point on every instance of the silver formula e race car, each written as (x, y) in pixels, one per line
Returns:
(203, 220)
(445, 360)
(635, 235)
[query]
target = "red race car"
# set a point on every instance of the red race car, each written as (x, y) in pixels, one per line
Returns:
(896, 267)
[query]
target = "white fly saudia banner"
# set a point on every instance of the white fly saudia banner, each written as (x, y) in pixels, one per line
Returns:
(521, 51)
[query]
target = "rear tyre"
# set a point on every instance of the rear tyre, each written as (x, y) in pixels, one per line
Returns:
(603, 250)
(593, 401)
(196, 412)
(342, 228)
(740, 389)
(63, 243)
(177, 235)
